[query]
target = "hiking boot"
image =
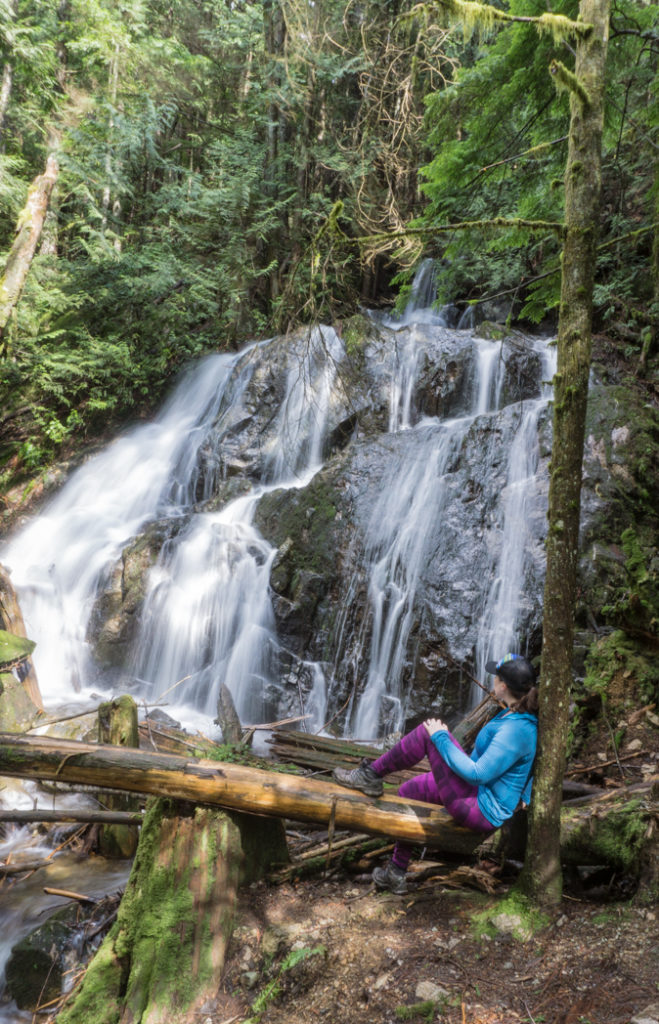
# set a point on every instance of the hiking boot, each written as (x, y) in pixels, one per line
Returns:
(363, 778)
(391, 878)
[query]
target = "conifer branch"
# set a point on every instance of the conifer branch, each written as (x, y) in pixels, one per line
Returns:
(532, 152)
(472, 15)
(534, 226)
(566, 81)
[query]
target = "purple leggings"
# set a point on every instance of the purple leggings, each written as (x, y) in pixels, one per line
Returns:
(440, 786)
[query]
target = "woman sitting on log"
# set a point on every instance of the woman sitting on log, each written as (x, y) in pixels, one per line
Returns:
(479, 791)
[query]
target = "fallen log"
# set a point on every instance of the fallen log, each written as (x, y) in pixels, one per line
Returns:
(616, 834)
(232, 786)
(38, 814)
(28, 232)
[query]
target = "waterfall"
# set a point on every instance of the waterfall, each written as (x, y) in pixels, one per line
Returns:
(401, 523)
(59, 559)
(207, 615)
(396, 547)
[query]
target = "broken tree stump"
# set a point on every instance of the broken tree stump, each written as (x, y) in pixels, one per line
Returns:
(117, 724)
(162, 960)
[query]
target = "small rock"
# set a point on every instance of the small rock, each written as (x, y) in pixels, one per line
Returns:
(249, 978)
(620, 436)
(381, 982)
(634, 745)
(428, 990)
(650, 1015)
(511, 924)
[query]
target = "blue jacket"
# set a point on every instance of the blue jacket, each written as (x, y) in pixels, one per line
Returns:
(500, 764)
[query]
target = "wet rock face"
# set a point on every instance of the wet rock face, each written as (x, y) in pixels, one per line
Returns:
(115, 617)
(331, 534)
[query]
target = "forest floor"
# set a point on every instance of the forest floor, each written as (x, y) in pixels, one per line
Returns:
(366, 956)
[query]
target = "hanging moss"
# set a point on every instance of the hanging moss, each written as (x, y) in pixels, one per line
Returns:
(561, 28)
(566, 81)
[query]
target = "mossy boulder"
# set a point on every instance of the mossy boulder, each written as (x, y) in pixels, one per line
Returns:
(36, 964)
(17, 710)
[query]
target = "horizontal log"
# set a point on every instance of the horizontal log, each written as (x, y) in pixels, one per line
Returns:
(78, 817)
(233, 786)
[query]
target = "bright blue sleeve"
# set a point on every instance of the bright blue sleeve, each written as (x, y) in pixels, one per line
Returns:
(500, 754)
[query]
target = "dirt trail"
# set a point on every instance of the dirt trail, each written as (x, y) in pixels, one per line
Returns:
(378, 955)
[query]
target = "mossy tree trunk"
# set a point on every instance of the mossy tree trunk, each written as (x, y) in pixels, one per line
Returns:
(542, 875)
(162, 961)
(28, 233)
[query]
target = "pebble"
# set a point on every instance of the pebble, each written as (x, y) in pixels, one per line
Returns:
(650, 1015)
(428, 990)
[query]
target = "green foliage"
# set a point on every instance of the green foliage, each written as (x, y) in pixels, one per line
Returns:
(617, 656)
(426, 1010)
(498, 136)
(274, 987)
(200, 156)
(638, 606)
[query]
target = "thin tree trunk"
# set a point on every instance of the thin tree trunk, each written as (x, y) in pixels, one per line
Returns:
(30, 224)
(5, 93)
(542, 874)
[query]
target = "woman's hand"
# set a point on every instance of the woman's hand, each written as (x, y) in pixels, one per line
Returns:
(434, 725)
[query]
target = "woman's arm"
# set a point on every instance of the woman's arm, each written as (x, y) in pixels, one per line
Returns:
(507, 745)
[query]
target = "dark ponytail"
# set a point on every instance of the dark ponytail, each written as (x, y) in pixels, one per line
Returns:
(529, 702)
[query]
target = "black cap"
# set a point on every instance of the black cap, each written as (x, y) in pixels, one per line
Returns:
(517, 673)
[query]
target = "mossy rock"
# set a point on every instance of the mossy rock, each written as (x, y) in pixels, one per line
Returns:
(14, 648)
(17, 710)
(36, 964)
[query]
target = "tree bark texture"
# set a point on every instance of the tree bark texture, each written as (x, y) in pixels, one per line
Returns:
(542, 877)
(5, 93)
(28, 232)
(162, 961)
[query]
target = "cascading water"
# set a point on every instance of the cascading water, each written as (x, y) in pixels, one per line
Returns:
(499, 631)
(59, 559)
(396, 543)
(207, 616)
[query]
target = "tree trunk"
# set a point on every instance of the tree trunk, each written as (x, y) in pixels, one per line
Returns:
(5, 93)
(542, 874)
(30, 223)
(162, 961)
